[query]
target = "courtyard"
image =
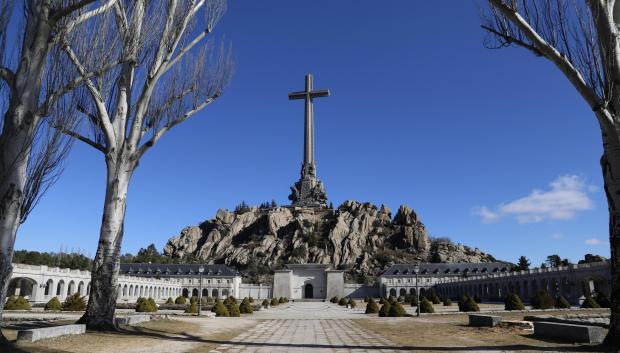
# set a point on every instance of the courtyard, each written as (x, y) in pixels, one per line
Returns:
(307, 327)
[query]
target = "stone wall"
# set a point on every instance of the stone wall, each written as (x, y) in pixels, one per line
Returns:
(256, 291)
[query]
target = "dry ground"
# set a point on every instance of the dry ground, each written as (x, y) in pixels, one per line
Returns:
(159, 336)
(450, 333)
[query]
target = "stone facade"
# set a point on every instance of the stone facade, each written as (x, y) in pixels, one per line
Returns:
(308, 281)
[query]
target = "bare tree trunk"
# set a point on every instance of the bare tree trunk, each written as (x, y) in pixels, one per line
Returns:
(610, 163)
(99, 314)
(18, 132)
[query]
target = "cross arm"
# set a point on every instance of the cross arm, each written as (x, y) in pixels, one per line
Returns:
(312, 94)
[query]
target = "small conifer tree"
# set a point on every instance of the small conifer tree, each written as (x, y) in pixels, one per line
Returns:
(351, 303)
(53, 305)
(590, 303)
(233, 310)
(265, 303)
(74, 302)
(371, 307)
(274, 301)
(513, 302)
(342, 301)
(170, 301)
(396, 310)
(180, 300)
(220, 309)
(426, 306)
(385, 309)
(561, 303)
(542, 300)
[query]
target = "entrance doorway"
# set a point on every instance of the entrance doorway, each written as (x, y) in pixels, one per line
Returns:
(308, 294)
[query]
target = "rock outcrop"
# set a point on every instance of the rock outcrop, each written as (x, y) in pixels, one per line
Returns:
(358, 237)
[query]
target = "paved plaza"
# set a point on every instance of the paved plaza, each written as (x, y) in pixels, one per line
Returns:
(314, 335)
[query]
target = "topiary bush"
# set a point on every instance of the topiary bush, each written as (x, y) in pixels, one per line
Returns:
(602, 300)
(382, 300)
(561, 303)
(230, 300)
(513, 302)
(542, 300)
(233, 310)
(447, 302)
(274, 302)
(16, 303)
(170, 301)
(144, 305)
(180, 300)
(477, 299)
(251, 300)
(342, 301)
(385, 309)
(590, 303)
(371, 307)
(266, 303)
(426, 306)
(220, 309)
(192, 308)
(462, 301)
(396, 310)
(432, 296)
(351, 303)
(414, 300)
(53, 305)
(246, 307)
(74, 302)
(282, 300)
(468, 305)
(334, 300)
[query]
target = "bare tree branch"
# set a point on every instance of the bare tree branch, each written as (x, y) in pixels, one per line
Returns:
(69, 9)
(7, 75)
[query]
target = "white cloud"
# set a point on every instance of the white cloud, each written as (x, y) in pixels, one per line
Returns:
(568, 195)
(593, 242)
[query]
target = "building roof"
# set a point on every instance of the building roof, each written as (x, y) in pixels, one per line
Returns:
(448, 269)
(136, 269)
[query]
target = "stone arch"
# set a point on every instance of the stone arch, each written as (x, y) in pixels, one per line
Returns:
(393, 292)
(185, 293)
(205, 292)
(49, 287)
(125, 291)
(141, 291)
(215, 293)
(403, 292)
(60, 289)
(131, 291)
(71, 288)
(195, 292)
(81, 288)
(422, 291)
(225, 293)
(88, 289)
(22, 286)
(412, 291)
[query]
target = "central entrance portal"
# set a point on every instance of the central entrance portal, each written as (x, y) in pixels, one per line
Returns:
(308, 291)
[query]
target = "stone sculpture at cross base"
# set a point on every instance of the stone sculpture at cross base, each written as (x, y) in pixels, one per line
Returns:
(308, 191)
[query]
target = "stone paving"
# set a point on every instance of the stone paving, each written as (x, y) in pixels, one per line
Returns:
(296, 336)
(307, 327)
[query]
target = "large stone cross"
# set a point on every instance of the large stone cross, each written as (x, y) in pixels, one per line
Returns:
(308, 95)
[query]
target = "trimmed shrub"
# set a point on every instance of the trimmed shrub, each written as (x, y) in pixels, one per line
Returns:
(561, 303)
(192, 308)
(432, 296)
(462, 301)
(180, 300)
(477, 299)
(414, 300)
(144, 305)
(382, 300)
(17, 303)
(274, 302)
(602, 300)
(220, 309)
(230, 300)
(246, 307)
(351, 303)
(426, 306)
(53, 305)
(371, 307)
(385, 309)
(233, 310)
(590, 303)
(396, 310)
(542, 300)
(74, 302)
(513, 302)
(282, 300)
(447, 302)
(468, 305)
(266, 303)
(342, 301)
(334, 300)
(170, 301)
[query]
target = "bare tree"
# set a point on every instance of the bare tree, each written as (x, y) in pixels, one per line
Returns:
(32, 98)
(169, 71)
(580, 38)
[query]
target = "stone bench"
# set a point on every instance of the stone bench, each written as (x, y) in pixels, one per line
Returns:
(132, 319)
(36, 334)
(484, 320)
(569, 332)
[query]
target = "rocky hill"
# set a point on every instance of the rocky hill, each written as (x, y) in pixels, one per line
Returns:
(358, 237)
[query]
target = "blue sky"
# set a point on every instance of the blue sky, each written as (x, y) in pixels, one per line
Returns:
(492, 148)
